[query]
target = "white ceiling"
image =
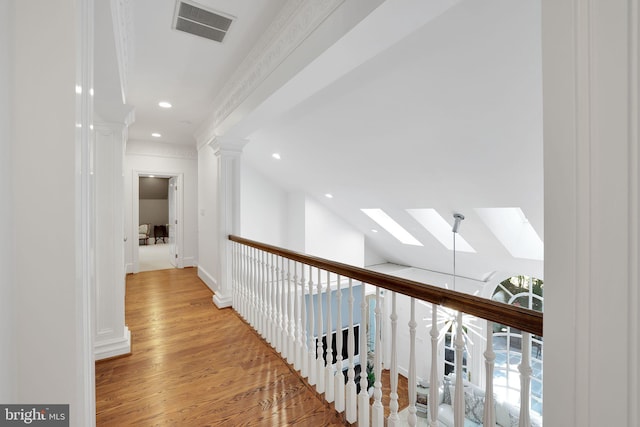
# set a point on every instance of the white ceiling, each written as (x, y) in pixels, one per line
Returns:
(446, 115)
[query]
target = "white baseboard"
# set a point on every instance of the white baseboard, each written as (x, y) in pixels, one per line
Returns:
(207, 279)
(113, 347)
(189, 262)
(128, 268)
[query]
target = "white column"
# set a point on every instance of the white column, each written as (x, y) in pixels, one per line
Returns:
(590, 55)
(112, 336)
(228, 153)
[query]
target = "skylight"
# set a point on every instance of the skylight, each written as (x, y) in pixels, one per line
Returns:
(513, 230)
(440, 229)
(395, 229)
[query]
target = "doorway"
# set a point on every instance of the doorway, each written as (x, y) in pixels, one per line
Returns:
(157, 221)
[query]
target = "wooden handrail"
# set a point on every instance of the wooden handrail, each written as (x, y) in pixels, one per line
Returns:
(505, 314)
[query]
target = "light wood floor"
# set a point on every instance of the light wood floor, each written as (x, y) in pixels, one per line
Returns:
(195, 365)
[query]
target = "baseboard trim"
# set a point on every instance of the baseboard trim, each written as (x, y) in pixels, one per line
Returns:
(113, 347)
(128, 268)
(189, 262)
(207, 279)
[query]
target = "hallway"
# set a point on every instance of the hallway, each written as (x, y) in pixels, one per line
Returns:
(195, 365)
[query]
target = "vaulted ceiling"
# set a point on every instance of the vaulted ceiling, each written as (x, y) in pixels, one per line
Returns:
(416, 105)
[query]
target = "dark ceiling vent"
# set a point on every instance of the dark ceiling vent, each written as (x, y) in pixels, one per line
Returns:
(194, 19)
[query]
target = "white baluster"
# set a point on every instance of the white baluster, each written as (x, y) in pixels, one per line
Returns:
(298, 320)
(260, 294)
(393, 419)
(253, 306)
(318, 358)
(304, 353)
(311, 346)
(264, 288)
(458, 404)
(377, 411)
(433, 376)
(329, 386)
(350, 389)
(412, 418)
(339, 376)
(525, 381)
(363, 397)
(284, 295)
(292, 317)
(274, 305)
(489, 359)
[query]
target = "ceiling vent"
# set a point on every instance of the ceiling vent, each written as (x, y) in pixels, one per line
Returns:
(194, 19)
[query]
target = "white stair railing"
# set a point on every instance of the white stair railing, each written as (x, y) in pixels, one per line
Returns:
(292, 304)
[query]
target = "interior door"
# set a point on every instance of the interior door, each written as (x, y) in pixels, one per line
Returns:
(173, 221)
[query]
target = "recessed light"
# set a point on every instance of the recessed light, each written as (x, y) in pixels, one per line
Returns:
(151, 176)
(164, 104)
(373, 230)
(276, 156)
(78, 89)
(156, 135)
(329, 196)
(395, 229)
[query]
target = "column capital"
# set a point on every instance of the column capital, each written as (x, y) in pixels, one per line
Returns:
(225, 146)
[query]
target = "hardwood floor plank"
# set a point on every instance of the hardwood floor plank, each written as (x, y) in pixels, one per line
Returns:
(195, 365)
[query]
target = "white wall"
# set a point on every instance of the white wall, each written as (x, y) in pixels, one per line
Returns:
(7, 292)
(162, 159)
(329, 236)
(208, 252)
(264, 208)
(47, 348)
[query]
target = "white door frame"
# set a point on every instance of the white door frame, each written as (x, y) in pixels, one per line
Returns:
(135, 202)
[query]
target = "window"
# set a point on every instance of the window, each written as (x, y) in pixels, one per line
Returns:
(522, 291)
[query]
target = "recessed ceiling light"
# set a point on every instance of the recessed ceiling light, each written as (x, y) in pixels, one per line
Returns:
(328, 196)
(164, 104)
(78, 89)
(395, 229)
(440, 229)
(156, 135)
(373, 230)
(276, 156)
(151, 176)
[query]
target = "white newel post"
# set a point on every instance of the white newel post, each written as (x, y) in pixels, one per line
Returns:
(112, 336)
(228, 152)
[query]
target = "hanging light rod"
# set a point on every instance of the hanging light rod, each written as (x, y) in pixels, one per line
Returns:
(457, 217)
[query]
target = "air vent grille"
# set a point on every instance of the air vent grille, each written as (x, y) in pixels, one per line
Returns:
(193, 19)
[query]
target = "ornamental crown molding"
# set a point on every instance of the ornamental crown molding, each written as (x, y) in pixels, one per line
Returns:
(121, 11)
(295, 22)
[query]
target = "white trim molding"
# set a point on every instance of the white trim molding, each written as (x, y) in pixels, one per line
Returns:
(208, 279)
(123, 32)
(590, 68)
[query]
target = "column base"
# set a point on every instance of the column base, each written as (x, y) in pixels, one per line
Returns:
(113, 347)
(222, 301)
